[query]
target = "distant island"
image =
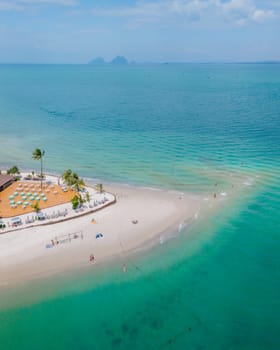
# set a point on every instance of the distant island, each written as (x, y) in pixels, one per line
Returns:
(118, 60)
(98, 60)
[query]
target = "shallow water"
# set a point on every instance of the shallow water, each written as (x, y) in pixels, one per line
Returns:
(214, 285)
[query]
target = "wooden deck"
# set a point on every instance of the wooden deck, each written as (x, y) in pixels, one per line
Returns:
(53, 193)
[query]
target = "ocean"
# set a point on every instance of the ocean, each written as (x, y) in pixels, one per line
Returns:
(197, 128)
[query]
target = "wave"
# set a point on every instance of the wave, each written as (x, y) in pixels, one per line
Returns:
(248, 182)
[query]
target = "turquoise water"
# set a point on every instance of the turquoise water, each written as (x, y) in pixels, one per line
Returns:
(185, 127)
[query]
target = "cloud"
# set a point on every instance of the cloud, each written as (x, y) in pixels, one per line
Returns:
(9, 6)
(240, 12)
(55, 2)
(245, 11)
(16, 5)
(139, 9)
(161, 8)
(237, 11)
(263, 15)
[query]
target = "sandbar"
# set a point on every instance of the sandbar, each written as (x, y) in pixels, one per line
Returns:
(133, 223)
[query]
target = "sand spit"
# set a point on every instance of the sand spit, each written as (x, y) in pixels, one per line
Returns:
(137, 218)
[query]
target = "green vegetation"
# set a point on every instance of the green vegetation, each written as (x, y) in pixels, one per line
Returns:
(72, 179)
(13, 170)
(38, 155)
(99, 187)
(87, 197)
(36, 207)
(77, 201)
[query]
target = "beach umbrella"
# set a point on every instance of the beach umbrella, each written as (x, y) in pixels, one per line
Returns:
(31, 198)
(26, 203)
(29, 194)
(11, 197)
(35, 194)
(19, 202)
(45, 199)
(24, 198)
(42, 195)
(38, 198)
(12, 201)
(16, 193)
(22, 193)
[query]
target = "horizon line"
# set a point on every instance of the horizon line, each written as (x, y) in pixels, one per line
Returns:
(132, 63)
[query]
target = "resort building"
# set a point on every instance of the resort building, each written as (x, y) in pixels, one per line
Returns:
(5, 181)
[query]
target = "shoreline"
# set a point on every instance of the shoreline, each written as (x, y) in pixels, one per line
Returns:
(24, 256)
(92, 181)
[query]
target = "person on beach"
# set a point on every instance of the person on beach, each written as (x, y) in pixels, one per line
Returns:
(91, 258)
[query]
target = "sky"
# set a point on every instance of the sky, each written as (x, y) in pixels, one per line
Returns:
(76, 31)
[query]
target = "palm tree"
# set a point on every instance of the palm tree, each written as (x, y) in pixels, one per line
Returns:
(87, 196)
(66, 175)
(73, 180)
(13, 170)
(100, 188)
(79, 184)
(38, 155)
(36, 207)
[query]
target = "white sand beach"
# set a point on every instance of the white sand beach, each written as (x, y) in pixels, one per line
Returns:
(40, 251)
